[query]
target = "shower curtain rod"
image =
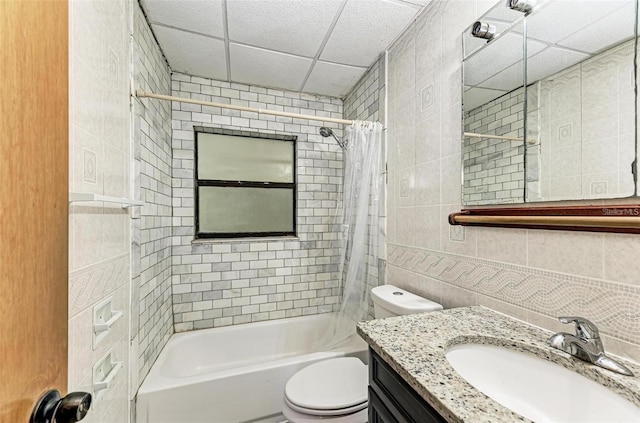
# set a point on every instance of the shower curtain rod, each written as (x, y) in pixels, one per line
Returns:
(142, 93)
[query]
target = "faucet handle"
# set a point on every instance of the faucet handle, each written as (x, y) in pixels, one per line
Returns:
(584, 328)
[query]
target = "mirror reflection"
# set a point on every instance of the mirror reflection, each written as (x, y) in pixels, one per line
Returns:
(579, 141)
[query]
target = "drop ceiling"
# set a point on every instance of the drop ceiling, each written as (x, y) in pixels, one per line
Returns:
(561, 33)
(313, 46)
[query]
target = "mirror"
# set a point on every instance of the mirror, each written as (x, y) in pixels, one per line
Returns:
(578, 94)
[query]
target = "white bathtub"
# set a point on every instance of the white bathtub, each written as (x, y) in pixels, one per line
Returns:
(233, 374)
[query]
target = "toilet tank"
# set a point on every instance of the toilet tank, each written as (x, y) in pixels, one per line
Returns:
(389, 301)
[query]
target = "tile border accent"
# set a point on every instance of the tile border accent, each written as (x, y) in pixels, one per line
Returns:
(90, 284)
(612, 306)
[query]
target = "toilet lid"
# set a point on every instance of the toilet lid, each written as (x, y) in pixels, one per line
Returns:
(333, 384)
(340, 412)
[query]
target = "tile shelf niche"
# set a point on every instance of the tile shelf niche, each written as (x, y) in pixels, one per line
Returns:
(76, 197)
(613, 218)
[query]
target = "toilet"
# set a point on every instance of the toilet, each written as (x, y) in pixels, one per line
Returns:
(335, 390)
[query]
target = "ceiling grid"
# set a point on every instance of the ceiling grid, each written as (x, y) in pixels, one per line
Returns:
(314, 46)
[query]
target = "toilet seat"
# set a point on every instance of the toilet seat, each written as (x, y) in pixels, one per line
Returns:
(331, 412)
(293, 416)
(331, 387)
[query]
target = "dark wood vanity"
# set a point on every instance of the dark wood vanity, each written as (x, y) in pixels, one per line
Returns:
(392, 400)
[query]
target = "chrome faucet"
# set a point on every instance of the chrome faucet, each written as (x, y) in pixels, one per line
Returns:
(585, 345)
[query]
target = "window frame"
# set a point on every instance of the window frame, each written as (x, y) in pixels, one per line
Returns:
(245, 184)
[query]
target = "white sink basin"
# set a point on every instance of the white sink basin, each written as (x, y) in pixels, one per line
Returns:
(538, 389)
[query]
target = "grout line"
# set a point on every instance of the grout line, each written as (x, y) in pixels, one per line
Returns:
(153, 34)
(324, 43)
(188, 31)
(270, 50)
(408, 3)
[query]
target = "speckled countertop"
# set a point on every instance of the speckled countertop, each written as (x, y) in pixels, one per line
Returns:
(415, 345)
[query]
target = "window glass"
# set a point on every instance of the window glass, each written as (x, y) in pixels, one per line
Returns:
(233, 158)
(245, 184)
(232, 209)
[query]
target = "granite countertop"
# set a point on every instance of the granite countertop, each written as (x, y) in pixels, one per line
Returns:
(414, 346)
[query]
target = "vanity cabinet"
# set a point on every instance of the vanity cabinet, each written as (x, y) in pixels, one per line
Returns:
(392, 400)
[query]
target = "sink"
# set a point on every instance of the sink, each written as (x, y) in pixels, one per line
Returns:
(538, 389)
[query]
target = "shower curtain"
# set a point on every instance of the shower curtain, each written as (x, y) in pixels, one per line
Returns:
(358, 222)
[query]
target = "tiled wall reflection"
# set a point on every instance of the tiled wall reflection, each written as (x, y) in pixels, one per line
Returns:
(587, 135)
(494, 169)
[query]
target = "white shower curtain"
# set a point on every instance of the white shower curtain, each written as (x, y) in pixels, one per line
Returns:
(359, 223)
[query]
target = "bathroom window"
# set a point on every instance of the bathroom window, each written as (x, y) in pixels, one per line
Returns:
(245, 184)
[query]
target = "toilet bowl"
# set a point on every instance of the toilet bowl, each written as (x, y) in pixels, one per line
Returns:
(336, 390)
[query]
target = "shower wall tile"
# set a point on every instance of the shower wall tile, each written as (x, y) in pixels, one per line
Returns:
(99, 157)
(151, 227)
(531, 275)
(84, 355)
(365, 101)
(227, 282)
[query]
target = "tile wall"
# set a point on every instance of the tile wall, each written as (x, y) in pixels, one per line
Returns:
(152, 321)
(99, 238)
(534, 275)
(228, 282)
(366, 99)
(110, 41)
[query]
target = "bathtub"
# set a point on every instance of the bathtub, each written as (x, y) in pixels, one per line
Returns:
(233, 374)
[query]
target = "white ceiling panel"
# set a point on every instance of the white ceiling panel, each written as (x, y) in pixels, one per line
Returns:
(417, 2)
(476, 97)
(561, 19)
(333, 80)
(551, 61)
(496, 56)
(252, 65)
(274, 43)
(604, 33)
(204, 17)
(289, 26)
(507, 80)
(365, 28)
(192, 53)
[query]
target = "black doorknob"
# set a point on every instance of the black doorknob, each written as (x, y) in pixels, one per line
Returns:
(51, 408)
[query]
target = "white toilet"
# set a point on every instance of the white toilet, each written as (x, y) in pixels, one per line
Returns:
(335, 390)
